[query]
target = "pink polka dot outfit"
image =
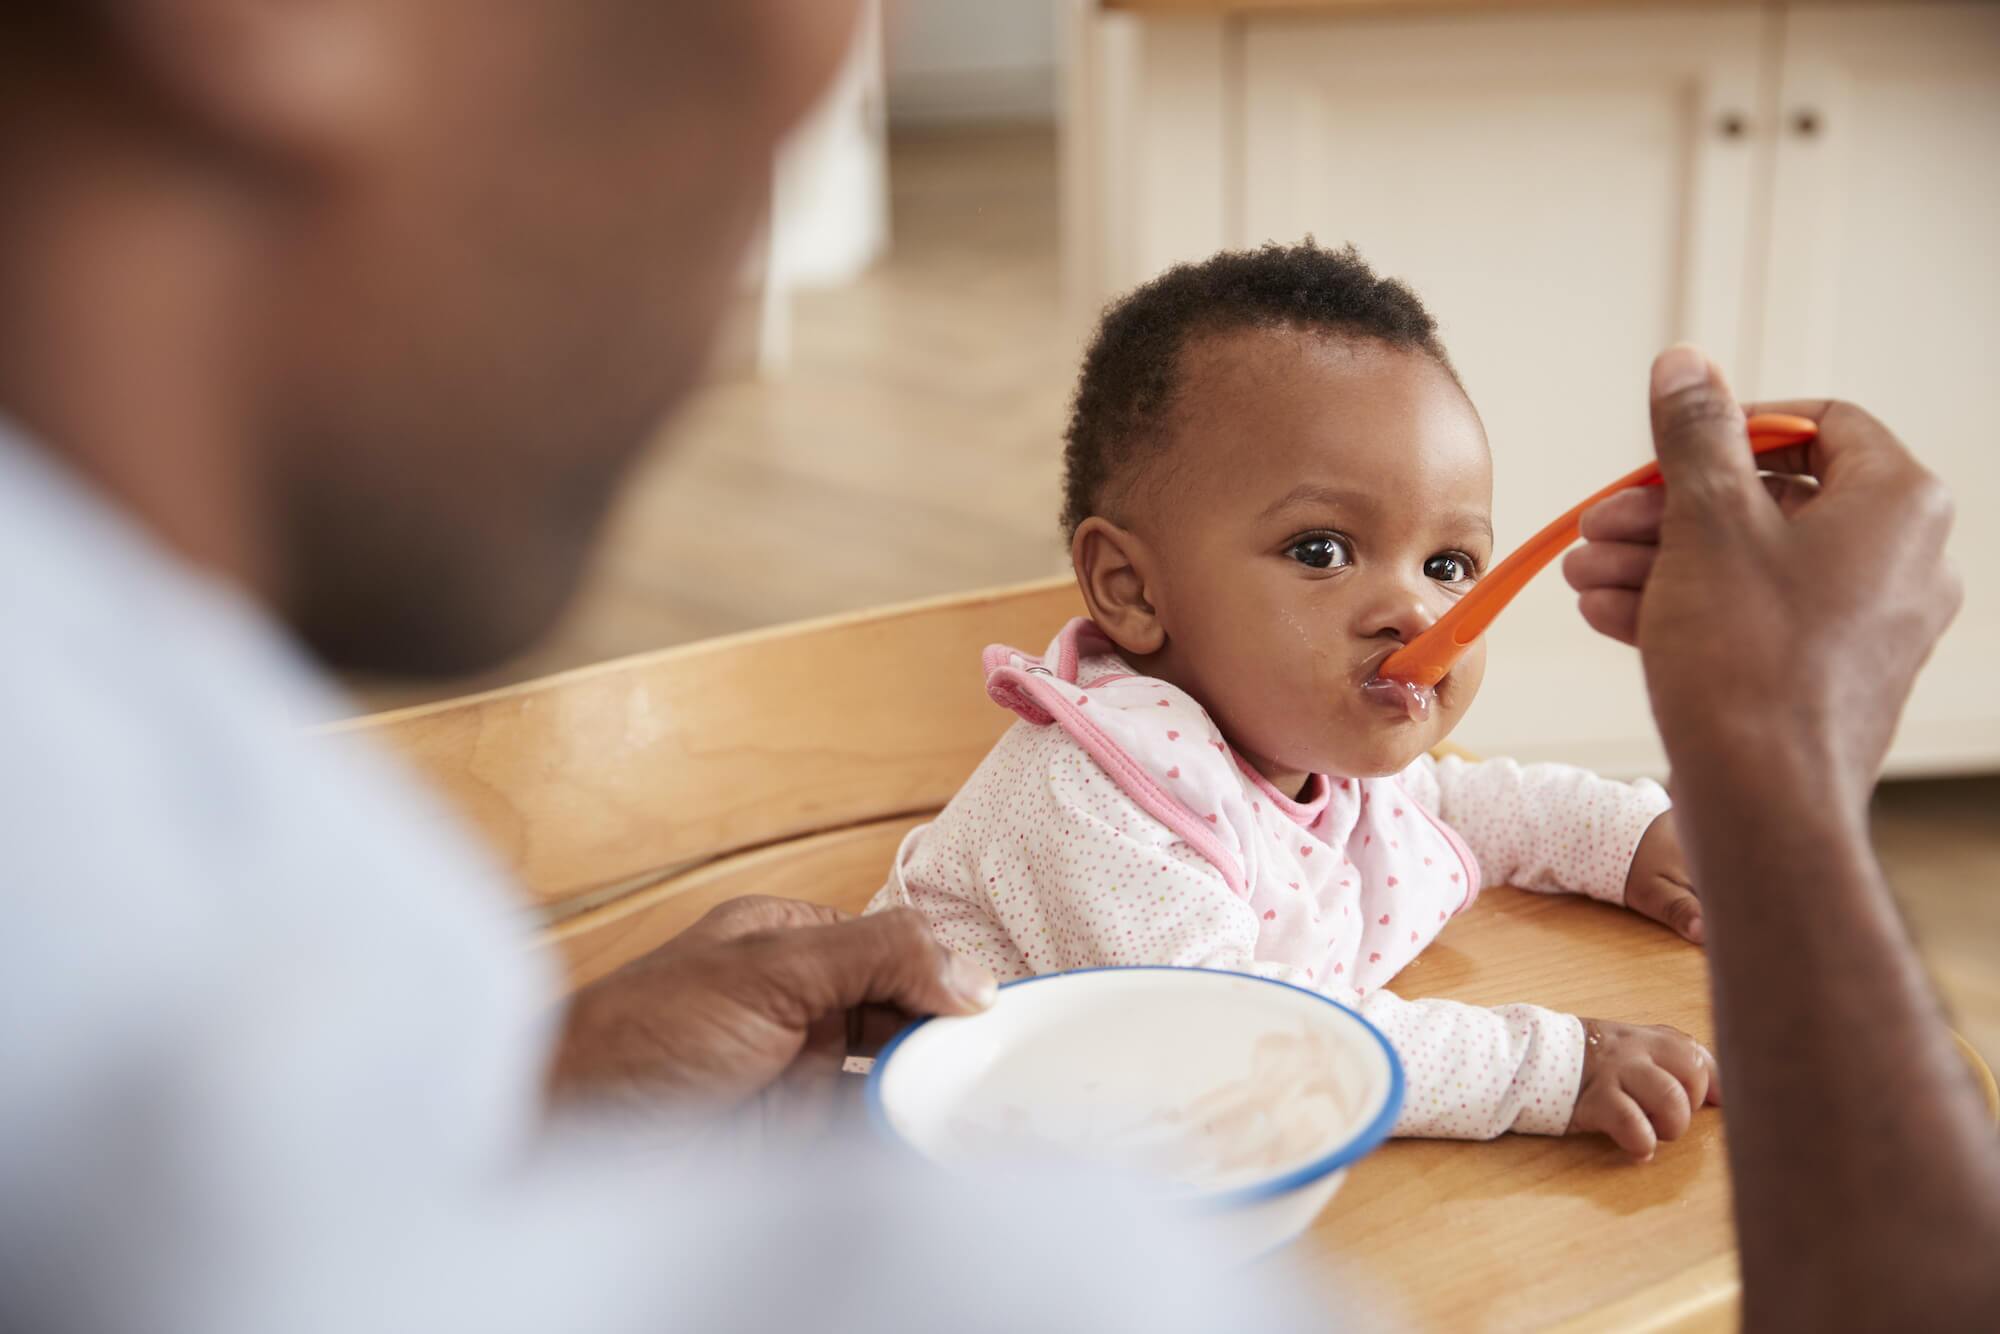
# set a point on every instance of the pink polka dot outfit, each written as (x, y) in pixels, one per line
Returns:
(1114, 825)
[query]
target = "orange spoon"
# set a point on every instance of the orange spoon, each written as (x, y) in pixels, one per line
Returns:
(1424, 661)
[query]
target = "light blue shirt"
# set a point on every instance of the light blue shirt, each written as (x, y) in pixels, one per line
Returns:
(273, 1041)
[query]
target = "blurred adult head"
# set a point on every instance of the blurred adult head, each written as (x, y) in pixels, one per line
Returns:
(366, 303)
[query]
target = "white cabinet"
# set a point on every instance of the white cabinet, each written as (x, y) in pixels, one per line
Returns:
(1809, 193)
(1883, 286)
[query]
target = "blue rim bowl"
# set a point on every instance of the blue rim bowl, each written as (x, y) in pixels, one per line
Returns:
(1341, 1155)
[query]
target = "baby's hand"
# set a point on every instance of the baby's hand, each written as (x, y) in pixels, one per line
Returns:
(1641, 1084)
(1657, 886)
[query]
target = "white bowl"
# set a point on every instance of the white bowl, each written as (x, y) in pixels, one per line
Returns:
(1238, 1100)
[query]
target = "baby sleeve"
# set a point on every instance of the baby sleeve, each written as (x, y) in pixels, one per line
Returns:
(1470, 1072)
(1544, 827)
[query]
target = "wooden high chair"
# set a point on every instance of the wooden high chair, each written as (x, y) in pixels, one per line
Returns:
(632, 796)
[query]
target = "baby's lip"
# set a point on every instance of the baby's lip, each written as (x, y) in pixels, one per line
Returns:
(1410, 701)
(1371, 667)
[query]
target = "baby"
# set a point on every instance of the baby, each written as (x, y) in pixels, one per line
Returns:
(1274, 479)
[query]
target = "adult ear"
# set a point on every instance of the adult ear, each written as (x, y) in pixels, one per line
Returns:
(1113, 570)
(299, 79)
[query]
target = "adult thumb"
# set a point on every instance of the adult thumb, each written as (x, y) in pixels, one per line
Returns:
(1698, 430)
(887, 959)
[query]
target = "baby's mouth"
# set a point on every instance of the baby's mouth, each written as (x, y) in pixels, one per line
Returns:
(1406, 697)
(1412, 699)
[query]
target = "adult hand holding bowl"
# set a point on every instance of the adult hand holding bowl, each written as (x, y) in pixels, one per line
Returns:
(1237, 1100)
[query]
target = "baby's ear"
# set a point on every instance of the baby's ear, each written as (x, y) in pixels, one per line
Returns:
(1112, 568)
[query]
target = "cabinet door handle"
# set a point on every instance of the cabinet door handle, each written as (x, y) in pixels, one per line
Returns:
(1807, 123)
(1732, 125)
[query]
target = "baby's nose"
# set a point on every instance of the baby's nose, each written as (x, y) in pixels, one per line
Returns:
(1402, 616)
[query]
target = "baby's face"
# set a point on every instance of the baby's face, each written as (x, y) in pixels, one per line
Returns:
(1323, 502)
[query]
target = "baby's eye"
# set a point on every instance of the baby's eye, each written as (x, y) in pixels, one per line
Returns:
(1322, 551)
(1449, 567)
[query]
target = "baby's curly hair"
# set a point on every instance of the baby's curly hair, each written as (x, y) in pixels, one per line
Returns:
(1131, 370)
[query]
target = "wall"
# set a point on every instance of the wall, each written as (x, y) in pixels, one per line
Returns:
(968, 61)
(830, 202)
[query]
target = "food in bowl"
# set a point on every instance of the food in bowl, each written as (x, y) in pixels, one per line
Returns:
(1243, 1096)
(1248, 1127)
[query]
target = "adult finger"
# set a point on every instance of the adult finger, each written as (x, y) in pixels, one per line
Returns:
(1713, 1068)
(1699, 435)
(887, 959)
(870, 1027)
(1799, 458)
(1610, 565)
(1612, 612)
(1851, 440)
(1668, 1105)
(1631, 515)
(1864, 470)
(825, 1048)
(735, 918)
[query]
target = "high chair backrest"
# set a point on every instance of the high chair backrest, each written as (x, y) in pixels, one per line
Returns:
(629, 796)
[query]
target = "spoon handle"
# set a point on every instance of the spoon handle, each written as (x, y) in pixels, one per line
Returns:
(1425, 660)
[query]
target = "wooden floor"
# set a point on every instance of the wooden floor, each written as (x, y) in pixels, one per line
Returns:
(913, 449)
(1940, 840)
